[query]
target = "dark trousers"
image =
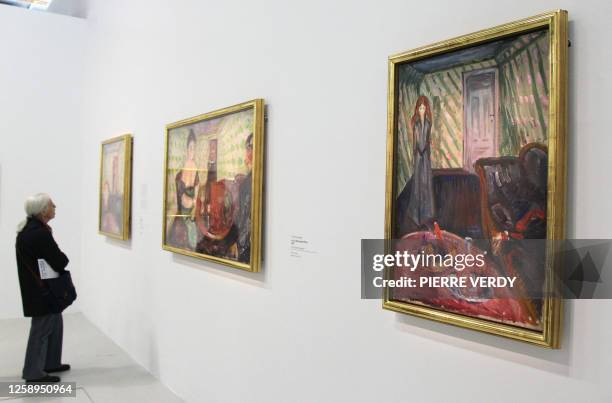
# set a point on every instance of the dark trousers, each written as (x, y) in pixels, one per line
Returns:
(44, 345)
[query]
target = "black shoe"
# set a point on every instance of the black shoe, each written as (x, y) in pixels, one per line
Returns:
(44, 379)
(61, 368)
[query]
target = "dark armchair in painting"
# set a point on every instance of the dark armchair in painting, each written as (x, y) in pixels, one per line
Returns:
(513, 193)
(513, 210)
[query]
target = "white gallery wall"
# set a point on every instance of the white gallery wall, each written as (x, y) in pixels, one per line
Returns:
(41, 65)
(298, 332)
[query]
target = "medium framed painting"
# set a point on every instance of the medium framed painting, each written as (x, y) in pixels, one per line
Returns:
(476, 151)
(213, 178)
(115, 187)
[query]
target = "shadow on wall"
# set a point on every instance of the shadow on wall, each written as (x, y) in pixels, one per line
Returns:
(552, 361)
(255, 279)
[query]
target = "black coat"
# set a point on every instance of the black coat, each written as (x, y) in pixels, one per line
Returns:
(35, 242)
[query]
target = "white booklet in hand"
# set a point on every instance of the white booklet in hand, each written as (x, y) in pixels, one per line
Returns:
(46, 271)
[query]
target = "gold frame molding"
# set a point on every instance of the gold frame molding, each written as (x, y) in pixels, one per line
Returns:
(556, 23)
(257, 105)
(127, 186)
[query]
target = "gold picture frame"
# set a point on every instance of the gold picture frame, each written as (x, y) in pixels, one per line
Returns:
(213, 186)
(114, 213)
(554, 24)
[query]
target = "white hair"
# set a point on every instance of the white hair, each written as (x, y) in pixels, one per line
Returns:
(34, 206)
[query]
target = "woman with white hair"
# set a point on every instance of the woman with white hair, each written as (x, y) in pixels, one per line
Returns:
(35, 241)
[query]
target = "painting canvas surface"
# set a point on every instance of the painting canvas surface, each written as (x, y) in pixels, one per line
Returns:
(471, 160)
(112, 188)
(209, 187)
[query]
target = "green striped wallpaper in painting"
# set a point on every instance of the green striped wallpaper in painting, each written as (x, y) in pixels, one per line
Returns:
(523, 85)
(523, 79)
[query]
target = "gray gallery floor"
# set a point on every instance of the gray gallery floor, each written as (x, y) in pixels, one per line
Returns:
(102, 371)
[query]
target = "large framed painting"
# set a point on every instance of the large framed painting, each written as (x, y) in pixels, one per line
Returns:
(476, 151)
(115, 187)
(213, 186)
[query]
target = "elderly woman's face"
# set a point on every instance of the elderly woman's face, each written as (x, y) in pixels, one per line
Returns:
(50, 212)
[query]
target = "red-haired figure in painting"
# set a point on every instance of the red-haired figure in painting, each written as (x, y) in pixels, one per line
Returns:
(421, 202)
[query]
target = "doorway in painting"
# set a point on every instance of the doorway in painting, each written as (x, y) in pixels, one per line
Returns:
(480, 116)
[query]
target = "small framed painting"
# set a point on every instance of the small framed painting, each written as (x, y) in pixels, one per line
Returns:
(213, 178)
(115, 187)
(476, 151)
